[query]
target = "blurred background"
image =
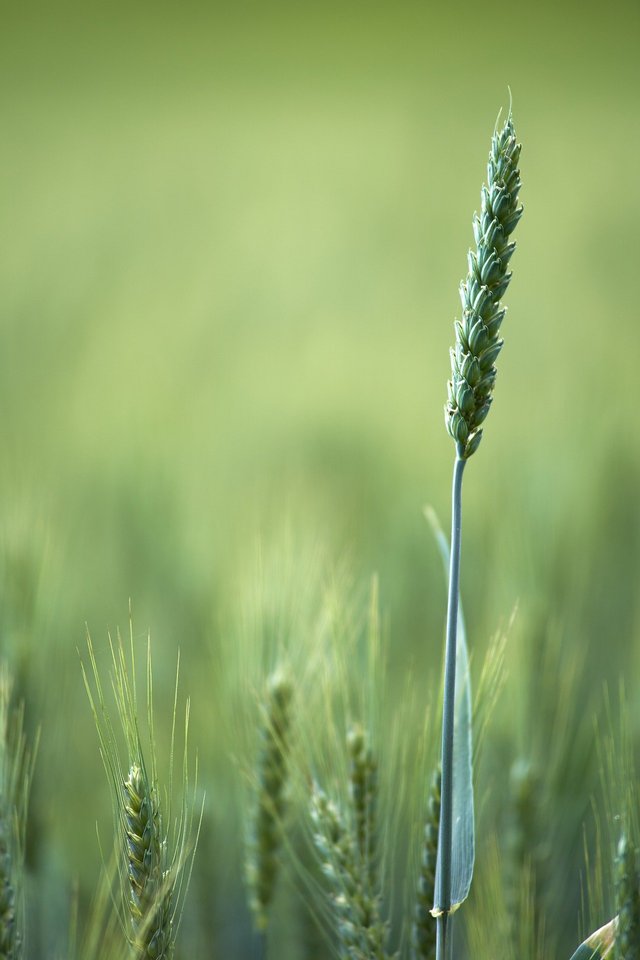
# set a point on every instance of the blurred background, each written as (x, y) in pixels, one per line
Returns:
(232, 240)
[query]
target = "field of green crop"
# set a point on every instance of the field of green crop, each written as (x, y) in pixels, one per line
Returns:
(232, 242)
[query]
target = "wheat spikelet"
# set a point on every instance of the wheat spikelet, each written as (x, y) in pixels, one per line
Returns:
(478, 344)
(266, 835)
(424, 926)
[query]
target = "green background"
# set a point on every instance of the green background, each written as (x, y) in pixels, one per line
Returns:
(232, 241)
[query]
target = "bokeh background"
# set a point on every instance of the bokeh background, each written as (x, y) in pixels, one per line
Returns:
(232, 240)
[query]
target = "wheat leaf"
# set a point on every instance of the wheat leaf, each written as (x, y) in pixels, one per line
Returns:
(463, 850)
(599, 945)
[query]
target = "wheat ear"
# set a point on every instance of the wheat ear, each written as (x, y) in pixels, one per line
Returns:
(363, 790)
(478, 343)
(154, 868)
(266, 831)
(148, 874)
(360, 931)
(526, 854)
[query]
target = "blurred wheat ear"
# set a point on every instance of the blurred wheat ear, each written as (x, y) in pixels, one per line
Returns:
(360, 931)
(16, 769)
(363, 789)
(154, 863)
(265, 837)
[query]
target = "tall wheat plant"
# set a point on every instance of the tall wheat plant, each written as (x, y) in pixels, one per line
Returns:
(473, 376)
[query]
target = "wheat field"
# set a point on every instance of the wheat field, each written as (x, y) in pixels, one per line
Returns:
(233, 239)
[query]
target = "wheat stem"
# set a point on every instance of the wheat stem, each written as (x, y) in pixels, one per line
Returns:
(445, 835)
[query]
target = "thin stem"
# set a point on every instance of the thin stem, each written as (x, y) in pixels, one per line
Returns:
(445, 834)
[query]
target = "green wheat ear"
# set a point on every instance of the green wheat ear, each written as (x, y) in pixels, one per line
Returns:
(363, 790)
(150, 885)
(361, 933)
(266, 835)
(155, 860)
(473, 372)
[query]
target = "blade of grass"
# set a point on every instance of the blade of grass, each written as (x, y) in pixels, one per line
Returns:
(599, 945)
(463, 828)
